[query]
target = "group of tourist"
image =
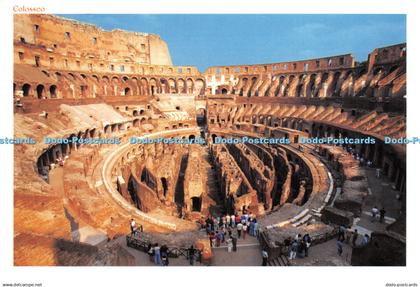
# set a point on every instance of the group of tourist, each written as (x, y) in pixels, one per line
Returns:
(378, 213)
(349, 236)
(135, 229)
(298, 246)
(159, 255)
(358, 157)
(229, 228)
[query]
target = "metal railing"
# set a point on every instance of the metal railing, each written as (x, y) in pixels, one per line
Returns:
(137, 242)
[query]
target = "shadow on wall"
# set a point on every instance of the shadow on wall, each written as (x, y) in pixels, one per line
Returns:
(70, 253)
(384, 249)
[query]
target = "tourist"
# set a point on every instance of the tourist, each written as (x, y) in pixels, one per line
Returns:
(219, 237)
(157, 254)
(293, 249)
(349, 233)
(215, 224)
(132, 226)
(244, 230)
(191, 252)
(375, 212)
(365, 240)
(354, 238)
(252, 228)
(237, 219)
(306, 244)
(264, 257)
(340, 247)
(229, 231)
(369, 163)
(341, 232)
(256, 230)
(300, 248)
(382, 215)
(239, 227)
(244, 217)
(140, 228)
(248, 224)
(212, 224)
(227, 220)
(164, 255)
(212, 238)
(229, 244)
(378, 173)
(232, 220)
(151, 252)
(223, 234)
(234, 241)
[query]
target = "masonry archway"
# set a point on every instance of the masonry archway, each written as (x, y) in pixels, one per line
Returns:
(25, 89)
(40, 91)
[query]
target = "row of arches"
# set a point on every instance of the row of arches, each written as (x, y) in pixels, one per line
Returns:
(339, 83)
(40, 91)
(73, 85)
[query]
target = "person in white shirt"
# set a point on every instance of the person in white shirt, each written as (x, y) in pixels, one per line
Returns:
(375, 212)
(265, 257)
(239, 227)
(244, 229)
(132, 226)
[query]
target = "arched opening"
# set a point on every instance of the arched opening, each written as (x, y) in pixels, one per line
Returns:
(40, 91)
(164, 186)
(191, 137)
(196, 204)
(25, 89)
(132, 190)
(127, 91)
(199, 86)
(135, 113)
(53, 90)
(201, 117)
(299, 90)
(311, 86)
(181, 86)
(213, 137)
(224, 91)
(335, 87)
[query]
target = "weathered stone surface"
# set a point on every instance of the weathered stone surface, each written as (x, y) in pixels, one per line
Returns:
(384, 249)
(331, 215)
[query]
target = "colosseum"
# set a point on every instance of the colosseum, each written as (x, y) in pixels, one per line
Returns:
(122, 151)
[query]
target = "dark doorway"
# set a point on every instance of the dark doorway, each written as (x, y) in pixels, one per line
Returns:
(40, 91)
(25, 89)
(53, 90)
(132, 190)
(196, 203)
(164, 185)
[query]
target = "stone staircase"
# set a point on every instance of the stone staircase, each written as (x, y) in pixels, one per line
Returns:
(279, 261)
